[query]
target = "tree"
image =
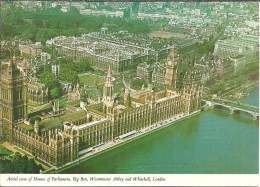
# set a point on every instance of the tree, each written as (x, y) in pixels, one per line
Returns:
(28, 33)
(38, 22)
(138, 83)
(32, 167)
(85, 65)
(135, 7)
(126, 13)
(69, 75)
(74, 10)
(52, 22)
(84, 97)
(21, 164)
(166, 5)
(119, 98)
(52, 83)
(5, 166)
(218, 88)
(49, 80)
(55, 93)
(41, 36)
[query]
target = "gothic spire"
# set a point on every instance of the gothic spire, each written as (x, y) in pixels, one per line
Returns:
(109, 71)
(172, 52)
(108, 78)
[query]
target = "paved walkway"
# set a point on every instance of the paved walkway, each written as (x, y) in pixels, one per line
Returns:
(9, 146)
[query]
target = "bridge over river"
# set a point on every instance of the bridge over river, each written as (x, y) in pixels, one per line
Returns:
(234, 107)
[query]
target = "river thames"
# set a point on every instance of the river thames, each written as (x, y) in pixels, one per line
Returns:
(212, 142)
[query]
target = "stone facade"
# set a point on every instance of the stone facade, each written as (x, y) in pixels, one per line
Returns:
(37, 93)
(74, 94)
(31, 50)
(55, 69)
(189, 79)
(159, 72)
(171, 69)
(45, 57)
(143, 71)
(13, 98)
(64, 139)
(111, 49)
(241, 45)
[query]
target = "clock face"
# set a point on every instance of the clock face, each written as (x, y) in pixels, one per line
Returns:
(169, 63)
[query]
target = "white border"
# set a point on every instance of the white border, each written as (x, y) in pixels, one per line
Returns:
(170, 180)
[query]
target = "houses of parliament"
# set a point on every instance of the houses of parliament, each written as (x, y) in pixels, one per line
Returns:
(64, 137)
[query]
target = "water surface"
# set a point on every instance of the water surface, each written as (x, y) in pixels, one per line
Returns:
(253, 98)
(211, 142)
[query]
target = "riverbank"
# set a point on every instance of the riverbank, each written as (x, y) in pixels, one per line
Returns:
(207, 143)
(212, 142)
(118, 143)
(253, 94)
(239, 92)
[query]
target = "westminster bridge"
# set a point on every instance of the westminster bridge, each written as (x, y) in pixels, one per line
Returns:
(234, 107)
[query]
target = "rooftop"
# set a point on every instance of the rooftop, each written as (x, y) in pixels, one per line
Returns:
(90, 124)
(59, 120)
(25, 126)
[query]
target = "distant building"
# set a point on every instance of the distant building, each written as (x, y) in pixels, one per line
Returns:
(253, 24)
(241, 60)
(55, 69)
(65, 85)
(121, 51)
(45, 57)
(159, 71)
(226, 48)
(37, 93)
(102, 13)
(31, 50)
(143, 71)
(241, 45)
(189, 78)
(104, 30)
(74, 93)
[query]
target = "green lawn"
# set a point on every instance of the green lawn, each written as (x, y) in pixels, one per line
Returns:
(32, 105)
(46, 106)
(55, 122)
(91, 80)
(93, 92)
(26, 127)
(5, 151)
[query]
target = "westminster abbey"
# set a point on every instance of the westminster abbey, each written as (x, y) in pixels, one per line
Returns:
(63, 137)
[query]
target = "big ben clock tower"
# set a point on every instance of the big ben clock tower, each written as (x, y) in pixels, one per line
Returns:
(171, 68)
